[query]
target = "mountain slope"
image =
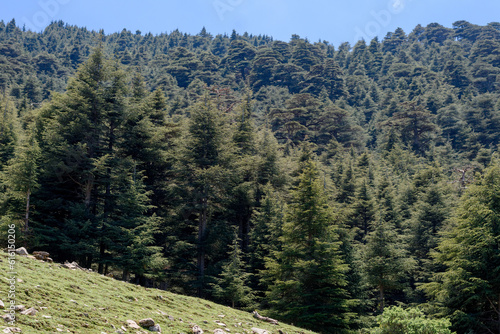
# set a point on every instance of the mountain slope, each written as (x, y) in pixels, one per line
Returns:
(75, 301)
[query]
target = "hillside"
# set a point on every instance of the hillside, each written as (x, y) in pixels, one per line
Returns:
(322, 183)
(77, 301)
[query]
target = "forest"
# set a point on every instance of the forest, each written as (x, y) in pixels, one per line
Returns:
(344, 189)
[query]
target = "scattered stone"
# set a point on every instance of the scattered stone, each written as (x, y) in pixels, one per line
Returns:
(31, 257)
(68, 265)
(155, 328)
(12, 330)
(220, 323)
(171, 318)
(19, 280)
(220, 331)
(73, 301)
(133, 324)
(146, 323)
(22, 251)
(8, 318)
(259, 331)
(119, 332)
(2, 305)
(197, 330)
(59, 330)
(47, 316)
(30, 311)
(19, 308)
(221, 315)
(73, 266)
(41, 255)
(258, 316)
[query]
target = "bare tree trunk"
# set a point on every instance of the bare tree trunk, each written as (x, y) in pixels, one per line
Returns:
(382, 298)
(27, 215)
(89, 261)
(201, 244)
(126, 275)
(102, 251)
(89, 186)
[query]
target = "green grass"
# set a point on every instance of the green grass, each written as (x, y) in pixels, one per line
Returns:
(81, 302)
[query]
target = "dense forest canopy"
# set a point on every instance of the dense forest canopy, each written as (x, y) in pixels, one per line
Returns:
(323, 185)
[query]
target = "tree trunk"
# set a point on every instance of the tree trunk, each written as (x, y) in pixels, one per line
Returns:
(201, 245)
(382, 298)
(27, 215)
(88, 263)
(102, 251)
(126, 275)
(89, 187)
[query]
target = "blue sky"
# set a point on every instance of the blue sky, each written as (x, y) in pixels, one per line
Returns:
(335, 21)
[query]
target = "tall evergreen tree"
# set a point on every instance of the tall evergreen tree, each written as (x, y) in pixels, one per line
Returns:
(203, 176)
(232, 285)
(385, 261)
(20, 179)
(469, 287)
(309, 273)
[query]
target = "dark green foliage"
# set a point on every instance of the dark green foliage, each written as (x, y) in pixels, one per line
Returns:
(148, 164)
(385, 261)
(19, 180)
(232, 285)
(469, 251)
(308, 274)
(7, 131)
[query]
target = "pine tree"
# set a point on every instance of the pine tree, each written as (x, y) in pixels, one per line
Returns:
(133, 237)
(309, 273)
(363, 210)
(203, 178)
(385, 261)
(232, 285)
(267, 222)
(20, 179)
(83, 129)
(7, 131)
(469, 287)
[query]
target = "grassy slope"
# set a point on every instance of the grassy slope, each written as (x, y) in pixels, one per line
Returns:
(81, 302)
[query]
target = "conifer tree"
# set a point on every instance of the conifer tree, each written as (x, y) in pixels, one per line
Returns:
(20, 179)
(267, 222)
(232, 285)
(309, 273)
(363, 210)
(245, 191)
(84, 128)
(385, 261)
(469, 287)
(133, 236)
(7, 131)
(203, 176)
